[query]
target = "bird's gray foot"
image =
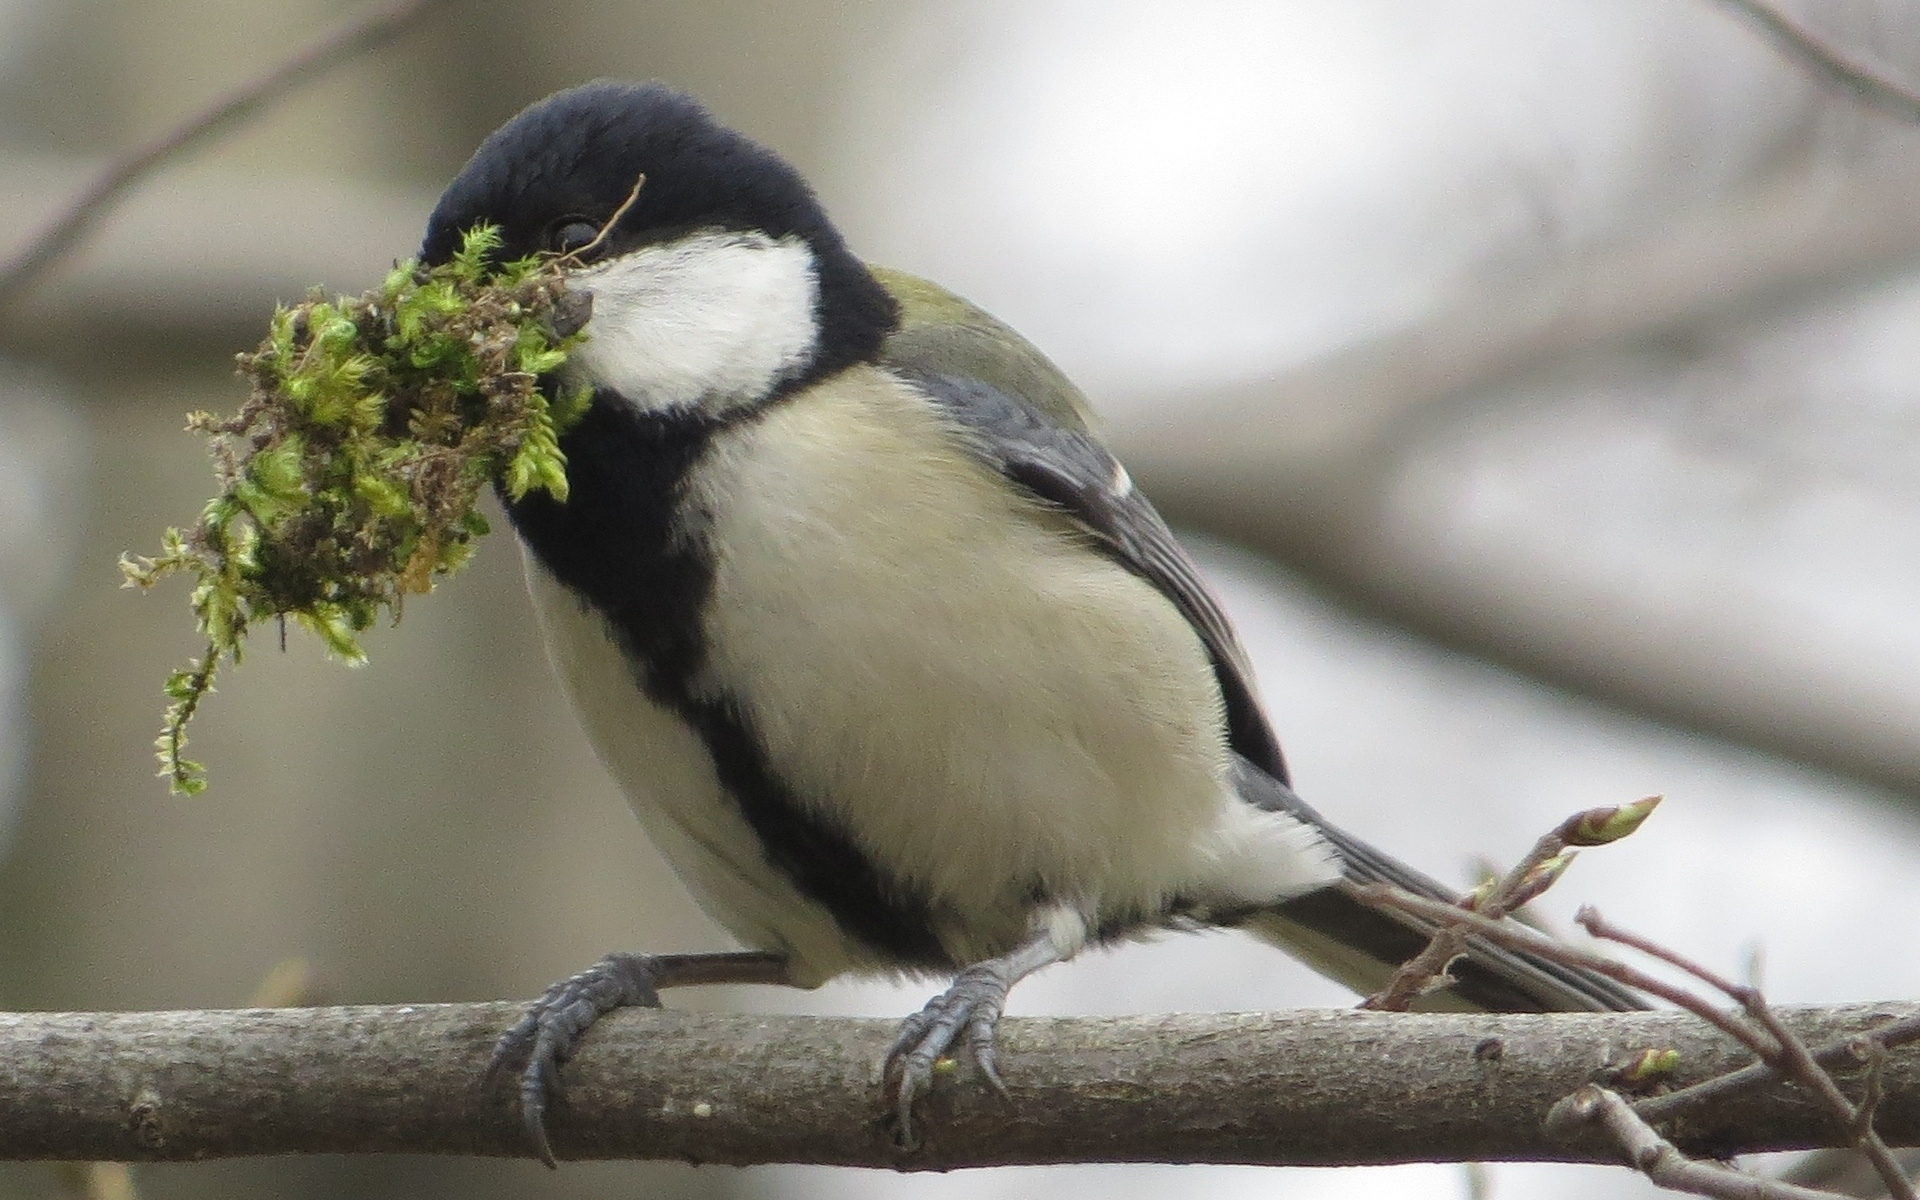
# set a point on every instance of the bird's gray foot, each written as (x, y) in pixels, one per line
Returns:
(550, 1032)
(553, 1027)
(971, 1007)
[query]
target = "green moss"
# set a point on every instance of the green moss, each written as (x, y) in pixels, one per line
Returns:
(349, 477)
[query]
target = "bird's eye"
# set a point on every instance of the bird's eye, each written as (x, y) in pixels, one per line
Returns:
(571, 235)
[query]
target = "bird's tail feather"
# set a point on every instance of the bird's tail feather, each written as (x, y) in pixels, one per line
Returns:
(1359, 946)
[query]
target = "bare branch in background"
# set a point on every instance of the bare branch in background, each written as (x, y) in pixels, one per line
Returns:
(1316, 1087)
(1306, 466)
(1296, 435)
(1828, 64)
(376, 26)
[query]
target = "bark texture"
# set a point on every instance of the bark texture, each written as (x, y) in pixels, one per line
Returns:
(1318, 1087)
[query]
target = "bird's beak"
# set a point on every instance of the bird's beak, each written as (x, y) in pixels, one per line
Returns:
(571, 312)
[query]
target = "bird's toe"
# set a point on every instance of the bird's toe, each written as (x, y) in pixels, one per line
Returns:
(551, 1030)
(970, 1008)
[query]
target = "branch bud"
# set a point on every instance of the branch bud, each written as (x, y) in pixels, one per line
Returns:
(1600, 826)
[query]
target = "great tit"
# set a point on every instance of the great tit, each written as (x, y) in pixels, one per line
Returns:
(895, 664)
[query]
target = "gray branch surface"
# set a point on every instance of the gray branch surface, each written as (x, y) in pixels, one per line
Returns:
(1313, 1087)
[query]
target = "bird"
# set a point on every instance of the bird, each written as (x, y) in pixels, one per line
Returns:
(897, 667)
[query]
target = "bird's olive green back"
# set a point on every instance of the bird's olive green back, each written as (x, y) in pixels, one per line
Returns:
(943, 334)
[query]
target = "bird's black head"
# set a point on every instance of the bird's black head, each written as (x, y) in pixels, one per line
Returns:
(551, 177)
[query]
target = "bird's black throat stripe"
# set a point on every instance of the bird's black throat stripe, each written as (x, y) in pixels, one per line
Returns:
(616, 544)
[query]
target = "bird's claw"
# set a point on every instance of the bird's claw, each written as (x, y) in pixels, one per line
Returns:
(973, 1006)
(552, 1028)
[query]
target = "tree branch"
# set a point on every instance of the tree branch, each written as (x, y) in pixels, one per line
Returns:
(1303, 1088)
(1778, 1046)
(1506, 894)
(1659, 1159)
(1853, 1052)
(378, 24)
(1828, 64)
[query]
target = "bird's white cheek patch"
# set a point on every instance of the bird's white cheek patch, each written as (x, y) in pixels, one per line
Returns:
(710, 320)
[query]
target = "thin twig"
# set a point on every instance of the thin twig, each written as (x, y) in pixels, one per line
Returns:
(1771, 1041)
(1418, 974)
(1875, 1089)
(1857, 1121)
(1780, 1047)
(1519, 937)
(1526, 882)
(1828, 64)
(378, 24)
(1414, 977)
(1846, 1051)
(578, 257)
(1660, 1160)
(1596, 925)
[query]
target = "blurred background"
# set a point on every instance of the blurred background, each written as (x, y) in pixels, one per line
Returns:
(1538, 378)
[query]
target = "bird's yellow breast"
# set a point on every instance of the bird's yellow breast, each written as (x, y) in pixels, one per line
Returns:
(944, 668)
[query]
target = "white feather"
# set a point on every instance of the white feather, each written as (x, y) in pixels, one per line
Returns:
(712, 319)
(989, 708)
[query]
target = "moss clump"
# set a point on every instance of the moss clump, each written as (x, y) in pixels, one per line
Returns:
(349, 479)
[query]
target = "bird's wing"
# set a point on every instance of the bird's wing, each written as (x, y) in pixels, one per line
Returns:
(942, 334)
(1031, 424)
